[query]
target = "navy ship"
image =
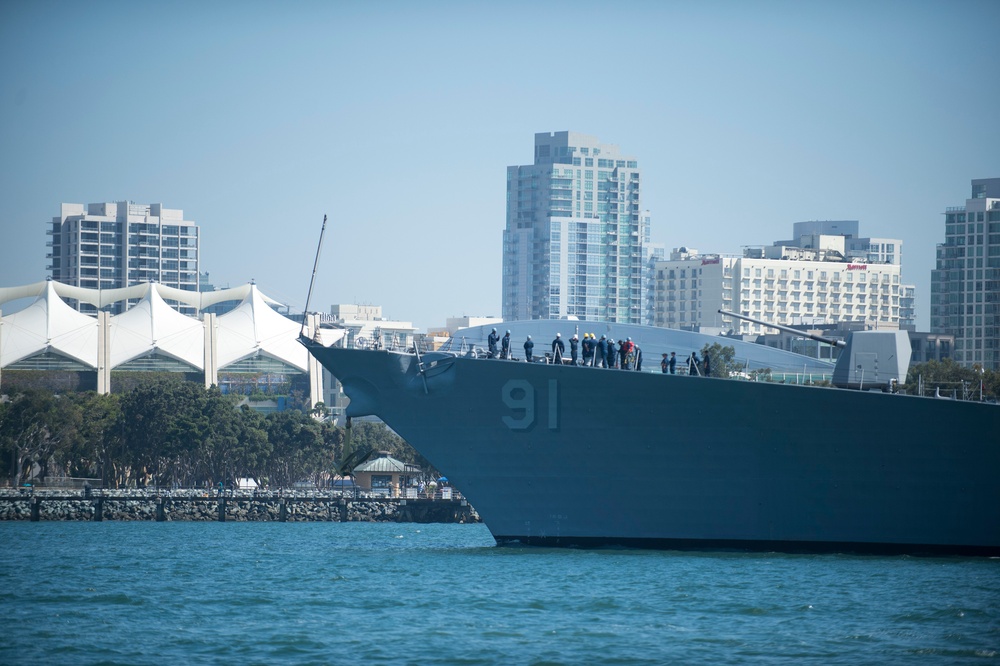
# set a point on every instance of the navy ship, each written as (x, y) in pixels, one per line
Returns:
(560, 455)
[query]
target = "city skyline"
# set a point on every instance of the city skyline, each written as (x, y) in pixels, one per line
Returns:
(399, 122)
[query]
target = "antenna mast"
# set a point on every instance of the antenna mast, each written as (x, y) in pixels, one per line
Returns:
(312, 281)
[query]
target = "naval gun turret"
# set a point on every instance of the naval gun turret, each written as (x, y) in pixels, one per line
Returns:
(868, 359)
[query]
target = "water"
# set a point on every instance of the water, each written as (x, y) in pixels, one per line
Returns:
(316, 593)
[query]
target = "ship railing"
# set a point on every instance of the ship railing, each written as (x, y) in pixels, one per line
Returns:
(969, 391)
(464, 347)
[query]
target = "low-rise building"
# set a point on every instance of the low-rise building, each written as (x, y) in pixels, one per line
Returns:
(249, 349)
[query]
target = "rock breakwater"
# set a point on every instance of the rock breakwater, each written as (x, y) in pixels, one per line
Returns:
(199, 505)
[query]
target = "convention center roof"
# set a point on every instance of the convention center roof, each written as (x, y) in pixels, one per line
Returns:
(149, 327)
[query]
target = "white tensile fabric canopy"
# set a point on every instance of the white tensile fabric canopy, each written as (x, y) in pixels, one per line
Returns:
(48, 324)
(253, 327)
(150, 326)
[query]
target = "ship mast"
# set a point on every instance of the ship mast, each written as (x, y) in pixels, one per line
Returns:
(312, 280)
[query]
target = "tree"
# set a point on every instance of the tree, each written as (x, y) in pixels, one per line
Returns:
(377, 436)
(299, 448)
(221, 431)
(86, 453)
(163, 428)
(950, 378)
(36, 424)
(319, 411)
(723, 359)
(255, 449)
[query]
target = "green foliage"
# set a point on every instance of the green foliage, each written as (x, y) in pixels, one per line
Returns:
(57, 381)
(35, 427)
(379, 437)
(125, 381)
(300, 449)
(953, 379)
(83, 455)
(169, 432)
(723, 360)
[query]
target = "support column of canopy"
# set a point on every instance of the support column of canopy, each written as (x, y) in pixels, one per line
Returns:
(211, 349)
(103, 352)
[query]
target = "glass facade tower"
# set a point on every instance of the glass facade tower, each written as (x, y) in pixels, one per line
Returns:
(576, 239)
(965, 286)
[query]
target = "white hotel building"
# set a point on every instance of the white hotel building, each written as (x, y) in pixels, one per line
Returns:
(827, 275)
(114, 245)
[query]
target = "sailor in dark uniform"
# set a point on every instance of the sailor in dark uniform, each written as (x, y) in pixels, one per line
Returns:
(558, 349)
(529, 347)
(602, 352)
(492, 344)
(505, 346)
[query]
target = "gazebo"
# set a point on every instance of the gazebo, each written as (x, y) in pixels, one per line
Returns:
(385, 475)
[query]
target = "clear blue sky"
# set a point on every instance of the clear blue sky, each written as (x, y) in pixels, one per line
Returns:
(398, 120)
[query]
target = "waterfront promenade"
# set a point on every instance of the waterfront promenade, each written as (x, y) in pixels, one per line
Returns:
(240, 505)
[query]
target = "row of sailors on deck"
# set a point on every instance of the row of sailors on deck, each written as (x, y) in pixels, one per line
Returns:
(591, 351)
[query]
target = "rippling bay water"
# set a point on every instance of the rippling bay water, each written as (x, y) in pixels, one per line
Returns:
(267, 593)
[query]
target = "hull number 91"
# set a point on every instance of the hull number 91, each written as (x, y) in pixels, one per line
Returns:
(519, 396)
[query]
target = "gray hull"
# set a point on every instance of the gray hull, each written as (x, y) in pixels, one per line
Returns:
(562, 455)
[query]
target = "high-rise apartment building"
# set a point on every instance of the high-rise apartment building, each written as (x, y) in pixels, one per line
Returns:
(577, 239)
(826, 275)
(112, 245)
(965, 286)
